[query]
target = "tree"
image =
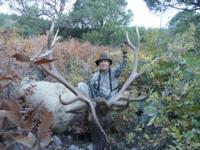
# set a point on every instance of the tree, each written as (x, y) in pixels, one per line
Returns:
(180, 23)
(185, 41)
(7, 21)
(26, 25)
(30, 15)
(162, 5)
(95, 14)
(103, 19)
(32, 26)
(46, 8)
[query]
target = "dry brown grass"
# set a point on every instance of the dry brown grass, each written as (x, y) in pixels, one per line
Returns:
(66, 52)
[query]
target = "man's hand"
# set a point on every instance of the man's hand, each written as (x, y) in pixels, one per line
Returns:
(124, 48)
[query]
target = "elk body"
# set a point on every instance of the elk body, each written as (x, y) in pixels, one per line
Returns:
(47, 94)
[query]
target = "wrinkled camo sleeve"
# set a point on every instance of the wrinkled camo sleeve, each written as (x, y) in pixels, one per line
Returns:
(94, 78)
(120, 67)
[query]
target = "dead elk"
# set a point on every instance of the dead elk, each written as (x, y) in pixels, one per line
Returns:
(63, 99)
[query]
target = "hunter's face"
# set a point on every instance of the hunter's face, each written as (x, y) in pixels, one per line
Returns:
(104, 65)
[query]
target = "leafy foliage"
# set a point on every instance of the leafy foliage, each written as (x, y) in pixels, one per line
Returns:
(182, 21)
(185, 41)
(100, 22)
(162, 5)
(96, 14)
(173, 104)
(26, 25)
(37, 8)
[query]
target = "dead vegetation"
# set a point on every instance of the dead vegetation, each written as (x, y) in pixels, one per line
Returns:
(23, 125)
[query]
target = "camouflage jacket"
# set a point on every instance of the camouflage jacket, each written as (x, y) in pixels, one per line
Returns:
(105, 83)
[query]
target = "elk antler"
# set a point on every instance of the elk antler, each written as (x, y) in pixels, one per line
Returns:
(52, 70)
(119, 100)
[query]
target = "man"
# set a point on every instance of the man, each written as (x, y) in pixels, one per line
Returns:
(104, 82)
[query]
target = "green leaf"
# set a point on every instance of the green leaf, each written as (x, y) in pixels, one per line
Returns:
(151, 121)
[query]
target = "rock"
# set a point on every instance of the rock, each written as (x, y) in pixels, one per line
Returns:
(90, 147)
(18, 146)
(135, 148)
(69, 139)
(73, 147)
(57, 141)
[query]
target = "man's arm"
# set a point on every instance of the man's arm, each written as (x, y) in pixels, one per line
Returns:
(121, 66)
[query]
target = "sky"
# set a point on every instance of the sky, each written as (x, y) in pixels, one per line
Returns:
(142, 15)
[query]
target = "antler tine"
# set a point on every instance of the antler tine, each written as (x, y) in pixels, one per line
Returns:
(135, 49)
(50, 43)
(56, 38)
(60, 78)
(129, 43)
(134, 74)
(123, 102)
(36, 54)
